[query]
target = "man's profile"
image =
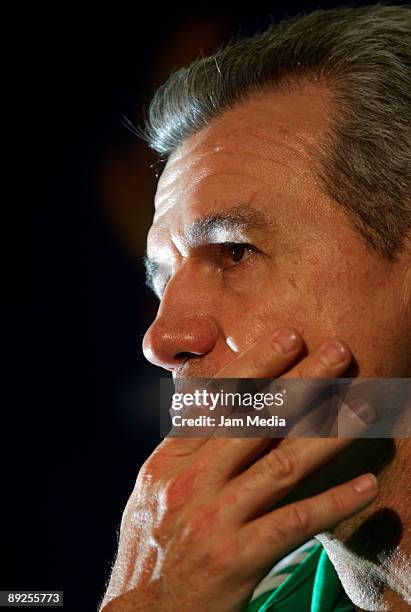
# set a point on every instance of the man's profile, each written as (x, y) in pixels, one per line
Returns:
(280, 245)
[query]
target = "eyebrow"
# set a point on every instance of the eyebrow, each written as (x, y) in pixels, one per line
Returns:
(212, 227)
(239, 218)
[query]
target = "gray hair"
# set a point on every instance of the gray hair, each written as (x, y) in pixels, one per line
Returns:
(363, 55)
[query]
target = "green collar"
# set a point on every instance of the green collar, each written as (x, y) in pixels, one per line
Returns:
(313, 586)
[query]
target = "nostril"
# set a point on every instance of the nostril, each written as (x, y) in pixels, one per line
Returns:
(184, 356)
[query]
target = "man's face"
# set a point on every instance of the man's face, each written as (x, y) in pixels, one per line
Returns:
(248, 178)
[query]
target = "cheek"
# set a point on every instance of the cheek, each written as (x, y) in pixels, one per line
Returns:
(322, 298)
(317, 298)
(261, 303)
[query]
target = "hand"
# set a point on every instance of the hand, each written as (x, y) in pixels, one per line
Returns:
(198, 532)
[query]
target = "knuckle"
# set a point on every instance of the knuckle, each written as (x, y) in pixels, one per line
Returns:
(278, 534)
(280, 531)
(281, 463)
(177, 490)
(299, 517)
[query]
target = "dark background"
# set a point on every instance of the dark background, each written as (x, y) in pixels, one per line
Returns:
(80, 403)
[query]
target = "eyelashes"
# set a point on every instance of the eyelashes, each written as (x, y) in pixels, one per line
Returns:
(235, 251)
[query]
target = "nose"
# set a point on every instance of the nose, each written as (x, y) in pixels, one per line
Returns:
(179, 332)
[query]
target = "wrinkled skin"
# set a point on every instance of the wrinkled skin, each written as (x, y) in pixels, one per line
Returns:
(309, 270)
(317, 275)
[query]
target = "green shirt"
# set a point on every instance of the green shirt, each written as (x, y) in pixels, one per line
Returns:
(313, 586)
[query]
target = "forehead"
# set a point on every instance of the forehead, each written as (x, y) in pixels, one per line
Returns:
(265, 145)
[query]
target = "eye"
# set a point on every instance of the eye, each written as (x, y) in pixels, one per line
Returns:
(234, 253)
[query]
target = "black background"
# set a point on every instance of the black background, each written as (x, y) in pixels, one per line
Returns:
(80, 403)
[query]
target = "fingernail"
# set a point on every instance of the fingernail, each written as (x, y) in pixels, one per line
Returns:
(333, 353)
(366, 484)
(362, 409)
(285, 340)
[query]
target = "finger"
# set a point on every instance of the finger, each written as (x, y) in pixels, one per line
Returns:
(232, 455)
(354, 417)
(309, 390)
(265, 358)
(303, 387)
(318, 421)
(274, 475)
(338, 419)
(268, 538)
(328, 361)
